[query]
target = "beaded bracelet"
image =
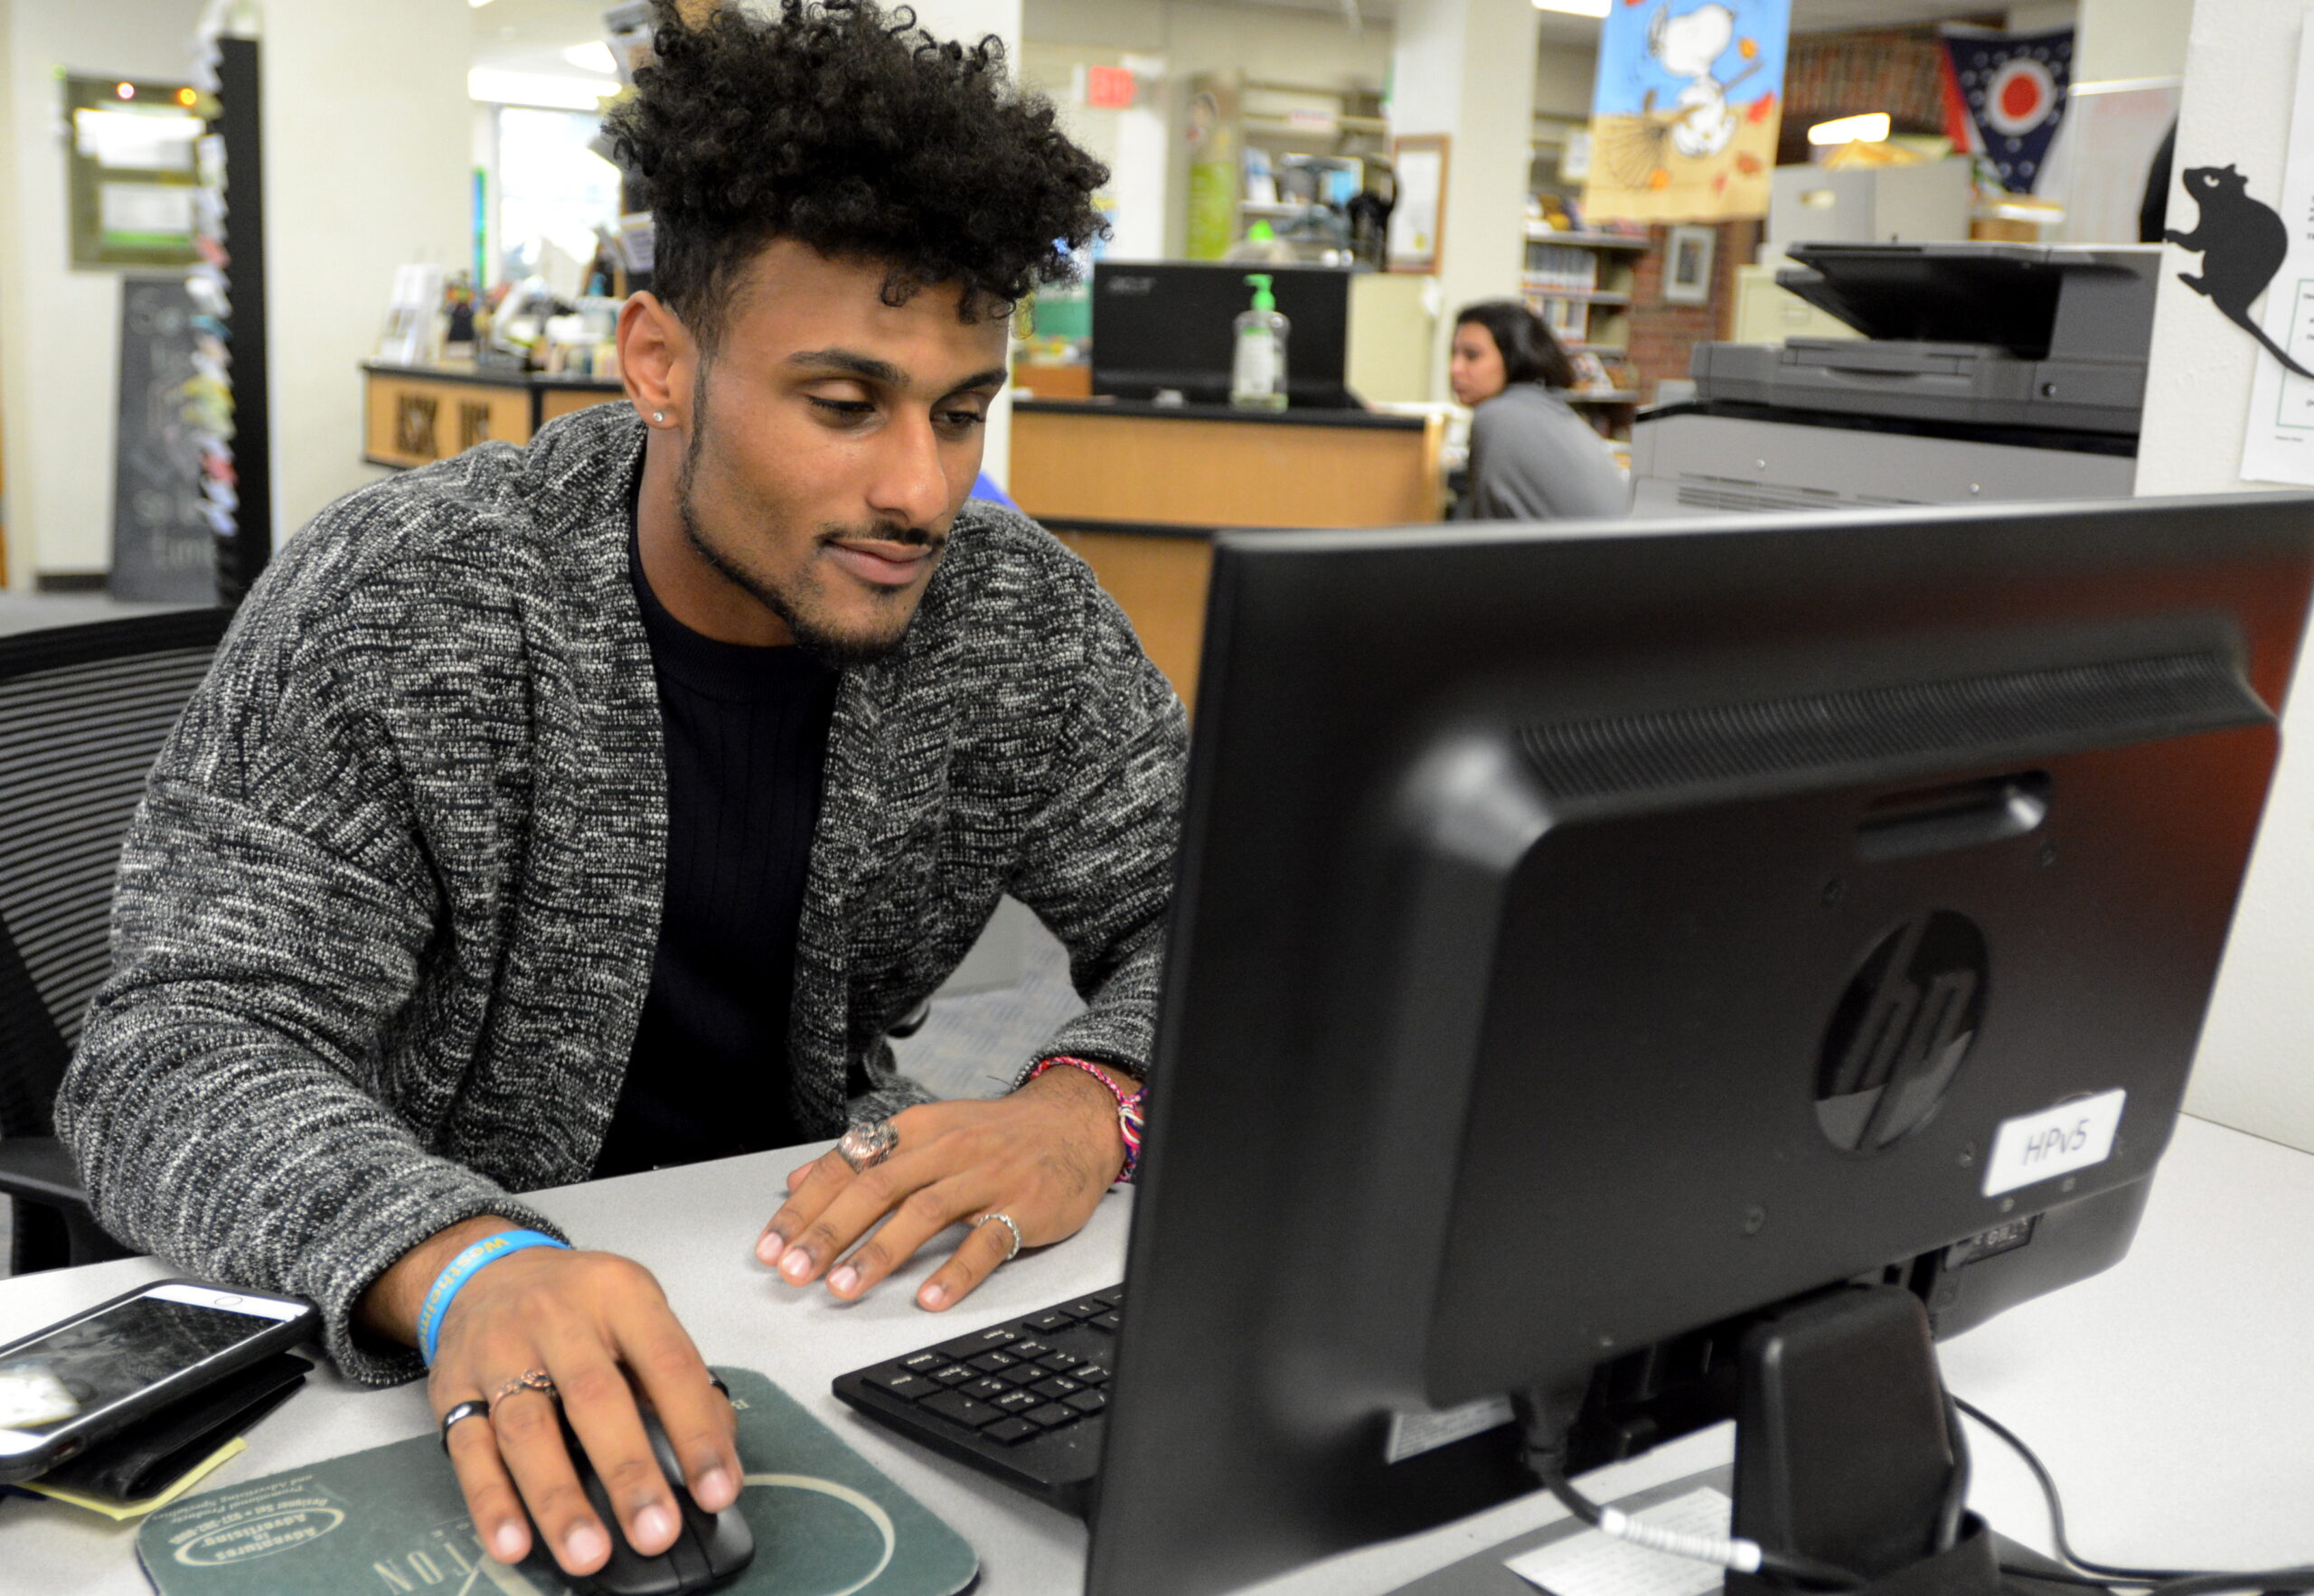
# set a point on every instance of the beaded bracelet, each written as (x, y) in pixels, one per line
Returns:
(1129, 1107)
(488, 1249)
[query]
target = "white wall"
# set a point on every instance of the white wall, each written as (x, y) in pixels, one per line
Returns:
(1134, 143)
(976, 20)
(368, 138)
(2254, 1071)
(2132, 39)
(60, 329)
(1466, 69)
(2042, 16)
(1566, 75)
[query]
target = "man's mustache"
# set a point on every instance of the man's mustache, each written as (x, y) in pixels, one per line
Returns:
(884, 532)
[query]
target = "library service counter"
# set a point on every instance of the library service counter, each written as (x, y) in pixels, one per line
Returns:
(1139, 490)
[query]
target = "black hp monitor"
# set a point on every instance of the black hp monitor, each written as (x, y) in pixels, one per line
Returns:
(1624, 979)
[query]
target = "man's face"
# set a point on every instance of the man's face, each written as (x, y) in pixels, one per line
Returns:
(832, 439)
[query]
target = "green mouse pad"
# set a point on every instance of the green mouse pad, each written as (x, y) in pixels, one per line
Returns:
(391, 1521)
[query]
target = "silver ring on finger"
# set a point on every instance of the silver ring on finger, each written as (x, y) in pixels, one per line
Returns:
(1005, 1220)
(461, 1410)
(867, 1144)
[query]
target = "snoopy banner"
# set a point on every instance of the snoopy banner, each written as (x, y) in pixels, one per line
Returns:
(2004, 97)
(1690, 100)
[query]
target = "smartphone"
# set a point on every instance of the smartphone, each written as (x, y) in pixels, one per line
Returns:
(78, 1380)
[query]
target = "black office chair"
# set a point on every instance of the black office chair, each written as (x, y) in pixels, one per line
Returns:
(83, 711)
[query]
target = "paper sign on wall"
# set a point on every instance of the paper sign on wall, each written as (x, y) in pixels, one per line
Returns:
(2279, 444)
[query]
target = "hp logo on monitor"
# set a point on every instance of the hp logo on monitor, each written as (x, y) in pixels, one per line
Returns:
(1901, 1032)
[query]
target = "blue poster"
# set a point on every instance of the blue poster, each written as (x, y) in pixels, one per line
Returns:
(1688, 109)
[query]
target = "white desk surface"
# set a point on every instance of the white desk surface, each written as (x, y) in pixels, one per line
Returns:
(2172, 1397)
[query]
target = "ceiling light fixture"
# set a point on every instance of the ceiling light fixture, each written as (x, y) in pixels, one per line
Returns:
(1870, 128)
(2124, 85)
(1575, 7)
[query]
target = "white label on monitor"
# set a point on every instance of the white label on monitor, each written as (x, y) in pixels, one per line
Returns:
(2057, 1141)
(1414, 1433)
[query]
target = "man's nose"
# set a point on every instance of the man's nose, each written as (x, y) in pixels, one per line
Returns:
(910, 485)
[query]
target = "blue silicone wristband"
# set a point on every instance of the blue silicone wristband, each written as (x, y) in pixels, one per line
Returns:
(488, 1249)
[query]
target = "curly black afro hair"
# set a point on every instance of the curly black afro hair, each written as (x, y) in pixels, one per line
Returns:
(847, 128)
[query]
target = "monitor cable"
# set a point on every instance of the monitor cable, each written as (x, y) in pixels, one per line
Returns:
(2157, 1581)
(1733, 1553)
(1953, 1512)
(1546, 1416)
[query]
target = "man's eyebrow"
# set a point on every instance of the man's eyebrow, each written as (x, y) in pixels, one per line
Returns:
(857, 364)
(872, 369)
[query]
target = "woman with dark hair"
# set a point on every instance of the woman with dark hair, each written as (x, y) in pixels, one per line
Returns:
(1532, 458)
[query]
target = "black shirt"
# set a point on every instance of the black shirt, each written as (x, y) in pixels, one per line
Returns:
(747, 732)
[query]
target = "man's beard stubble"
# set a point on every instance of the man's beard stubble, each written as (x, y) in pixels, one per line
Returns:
(810, 633)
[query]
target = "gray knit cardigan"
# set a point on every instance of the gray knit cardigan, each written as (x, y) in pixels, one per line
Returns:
(386, 916)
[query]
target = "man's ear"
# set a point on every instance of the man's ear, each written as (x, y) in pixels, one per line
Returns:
(658, 359)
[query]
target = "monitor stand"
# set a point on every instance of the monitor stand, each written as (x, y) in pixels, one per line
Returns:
(1841, 1452)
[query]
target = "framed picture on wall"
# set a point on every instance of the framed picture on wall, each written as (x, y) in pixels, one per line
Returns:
(131, 176)
(1419, 160)
(1687, 265)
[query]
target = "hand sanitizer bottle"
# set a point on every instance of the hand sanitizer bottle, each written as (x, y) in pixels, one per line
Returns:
(1257, 372)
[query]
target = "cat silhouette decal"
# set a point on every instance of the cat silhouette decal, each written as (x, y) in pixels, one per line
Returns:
(2242, 243)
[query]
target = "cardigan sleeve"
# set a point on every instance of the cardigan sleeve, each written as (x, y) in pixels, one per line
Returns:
(1099, 859)
(274, 911)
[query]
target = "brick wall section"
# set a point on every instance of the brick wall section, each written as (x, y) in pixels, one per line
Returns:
(1898, 71)
(1662, 334)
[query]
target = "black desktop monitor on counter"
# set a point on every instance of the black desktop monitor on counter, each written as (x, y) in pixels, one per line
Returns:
(1606, 958)
(1160, 325)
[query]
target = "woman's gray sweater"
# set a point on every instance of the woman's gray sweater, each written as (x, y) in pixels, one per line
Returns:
(1533, 458)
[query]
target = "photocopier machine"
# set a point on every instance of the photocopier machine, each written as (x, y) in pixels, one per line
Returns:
(1986, 373)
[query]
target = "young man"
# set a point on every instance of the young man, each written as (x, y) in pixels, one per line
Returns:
(598, 805)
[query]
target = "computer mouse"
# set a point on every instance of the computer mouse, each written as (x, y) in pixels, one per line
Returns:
(709, 1550)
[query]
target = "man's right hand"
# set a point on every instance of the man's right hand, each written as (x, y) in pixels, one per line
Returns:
(590, 1320)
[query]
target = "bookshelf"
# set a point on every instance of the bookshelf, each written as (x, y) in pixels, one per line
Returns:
(1580, 283)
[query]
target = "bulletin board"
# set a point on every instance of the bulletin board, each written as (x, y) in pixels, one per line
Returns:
(1418, 220)
(132, 156)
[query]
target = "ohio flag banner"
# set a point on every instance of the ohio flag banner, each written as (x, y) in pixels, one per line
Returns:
(2004, 97)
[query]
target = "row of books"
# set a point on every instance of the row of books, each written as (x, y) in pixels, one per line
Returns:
(1561, 265)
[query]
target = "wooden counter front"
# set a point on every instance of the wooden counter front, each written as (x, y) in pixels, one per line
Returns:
(413, 419)
(416, 415)
(1202, 467)
(1139, 491)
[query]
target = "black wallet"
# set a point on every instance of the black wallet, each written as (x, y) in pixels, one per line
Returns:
(147, 1456)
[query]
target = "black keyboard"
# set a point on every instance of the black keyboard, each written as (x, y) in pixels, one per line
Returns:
(1022, 1400)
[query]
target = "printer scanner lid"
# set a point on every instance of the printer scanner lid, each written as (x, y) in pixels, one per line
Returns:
(2001, 295)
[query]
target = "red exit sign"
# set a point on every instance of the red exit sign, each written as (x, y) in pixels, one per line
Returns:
(1108, 88)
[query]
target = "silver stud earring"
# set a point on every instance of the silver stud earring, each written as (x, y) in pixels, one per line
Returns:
(660, 417)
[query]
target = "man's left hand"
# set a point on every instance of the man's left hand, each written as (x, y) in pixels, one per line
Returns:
(1043, 1156)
